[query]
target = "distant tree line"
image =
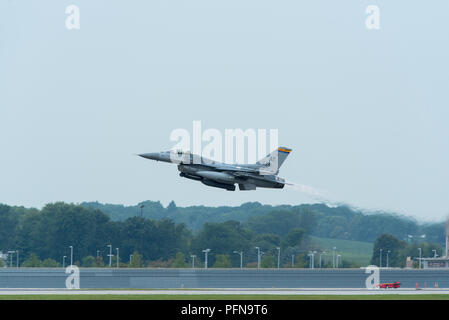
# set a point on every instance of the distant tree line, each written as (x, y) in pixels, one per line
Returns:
(43, 238)
(389, 251)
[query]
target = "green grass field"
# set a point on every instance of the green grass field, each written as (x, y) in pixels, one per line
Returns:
(354, 251)
(226, 297)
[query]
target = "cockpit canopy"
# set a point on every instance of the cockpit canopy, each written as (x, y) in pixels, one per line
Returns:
(179, 151)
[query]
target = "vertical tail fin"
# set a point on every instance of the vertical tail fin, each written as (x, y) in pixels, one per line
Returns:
(275, 159)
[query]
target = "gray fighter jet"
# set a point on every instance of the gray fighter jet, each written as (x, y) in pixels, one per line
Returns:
(262, 174)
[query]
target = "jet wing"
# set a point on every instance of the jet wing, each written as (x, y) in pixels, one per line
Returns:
(239, 169)
(235, 168)
(246, 175)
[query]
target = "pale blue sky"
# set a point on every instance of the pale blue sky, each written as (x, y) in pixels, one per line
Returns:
(365, 112)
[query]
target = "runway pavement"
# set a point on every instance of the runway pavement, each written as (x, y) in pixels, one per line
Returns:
(242, 291)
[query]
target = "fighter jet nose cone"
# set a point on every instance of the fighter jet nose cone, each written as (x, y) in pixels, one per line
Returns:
(152, 156)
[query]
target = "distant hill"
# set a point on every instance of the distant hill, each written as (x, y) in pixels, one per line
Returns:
(340, 222)
(356, 251)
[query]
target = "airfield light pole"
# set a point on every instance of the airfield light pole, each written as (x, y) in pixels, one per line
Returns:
(388, 252)
(320, 257)
(241, 258)
(293, 260)
(338, 256)
(435, 253)
(17, 252)
(258, 257)
(261, 255)
(333, 256)
(279, 255)
(118, 258)
(380, 258)
(419, 258)
(63, 261)
(71, 255)
(312, 259)
(193, 260)
(206, 251)
(10, 253)
(110, 254)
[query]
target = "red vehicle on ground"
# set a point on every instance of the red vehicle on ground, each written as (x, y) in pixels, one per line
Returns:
(393, 285)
